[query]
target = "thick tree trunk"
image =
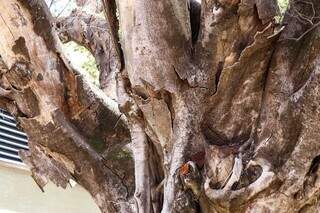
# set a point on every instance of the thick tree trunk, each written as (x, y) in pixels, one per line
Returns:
(220, 118)
(74, 131)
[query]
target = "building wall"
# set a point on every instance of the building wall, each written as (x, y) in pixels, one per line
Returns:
(19, 193)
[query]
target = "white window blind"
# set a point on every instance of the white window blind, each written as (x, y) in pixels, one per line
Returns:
(11, 139)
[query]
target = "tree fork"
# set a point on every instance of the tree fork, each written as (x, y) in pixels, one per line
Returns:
(39, 81)
(224, 121)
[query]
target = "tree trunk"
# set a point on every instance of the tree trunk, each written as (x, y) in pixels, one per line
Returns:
(219, 108)
(74, 131)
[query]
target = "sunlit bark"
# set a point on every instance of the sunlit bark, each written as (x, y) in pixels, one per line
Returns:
(220, 118)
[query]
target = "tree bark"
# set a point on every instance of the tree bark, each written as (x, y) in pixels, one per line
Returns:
(74, 131)
(219, 108)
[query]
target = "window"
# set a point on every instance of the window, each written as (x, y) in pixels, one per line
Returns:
(11, 139)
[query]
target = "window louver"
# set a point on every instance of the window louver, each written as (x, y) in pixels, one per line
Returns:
(11, 139)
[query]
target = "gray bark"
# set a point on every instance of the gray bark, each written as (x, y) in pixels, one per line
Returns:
(220, 118)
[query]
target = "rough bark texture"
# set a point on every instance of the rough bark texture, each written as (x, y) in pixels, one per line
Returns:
(93, 33)
(74, 131)
(220, 104)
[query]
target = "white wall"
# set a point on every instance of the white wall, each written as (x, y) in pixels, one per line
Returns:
(19, 193)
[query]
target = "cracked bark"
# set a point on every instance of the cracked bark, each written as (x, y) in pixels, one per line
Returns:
(220, 120)
(63, 116)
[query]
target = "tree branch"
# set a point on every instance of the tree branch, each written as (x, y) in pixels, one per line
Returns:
(95, 34)
(60, 111)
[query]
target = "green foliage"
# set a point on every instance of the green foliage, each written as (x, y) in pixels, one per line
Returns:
(83, 60)
(283, 4)
(91, 68)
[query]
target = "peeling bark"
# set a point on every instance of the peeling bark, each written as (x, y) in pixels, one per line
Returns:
(62, 115)
(220, 107)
